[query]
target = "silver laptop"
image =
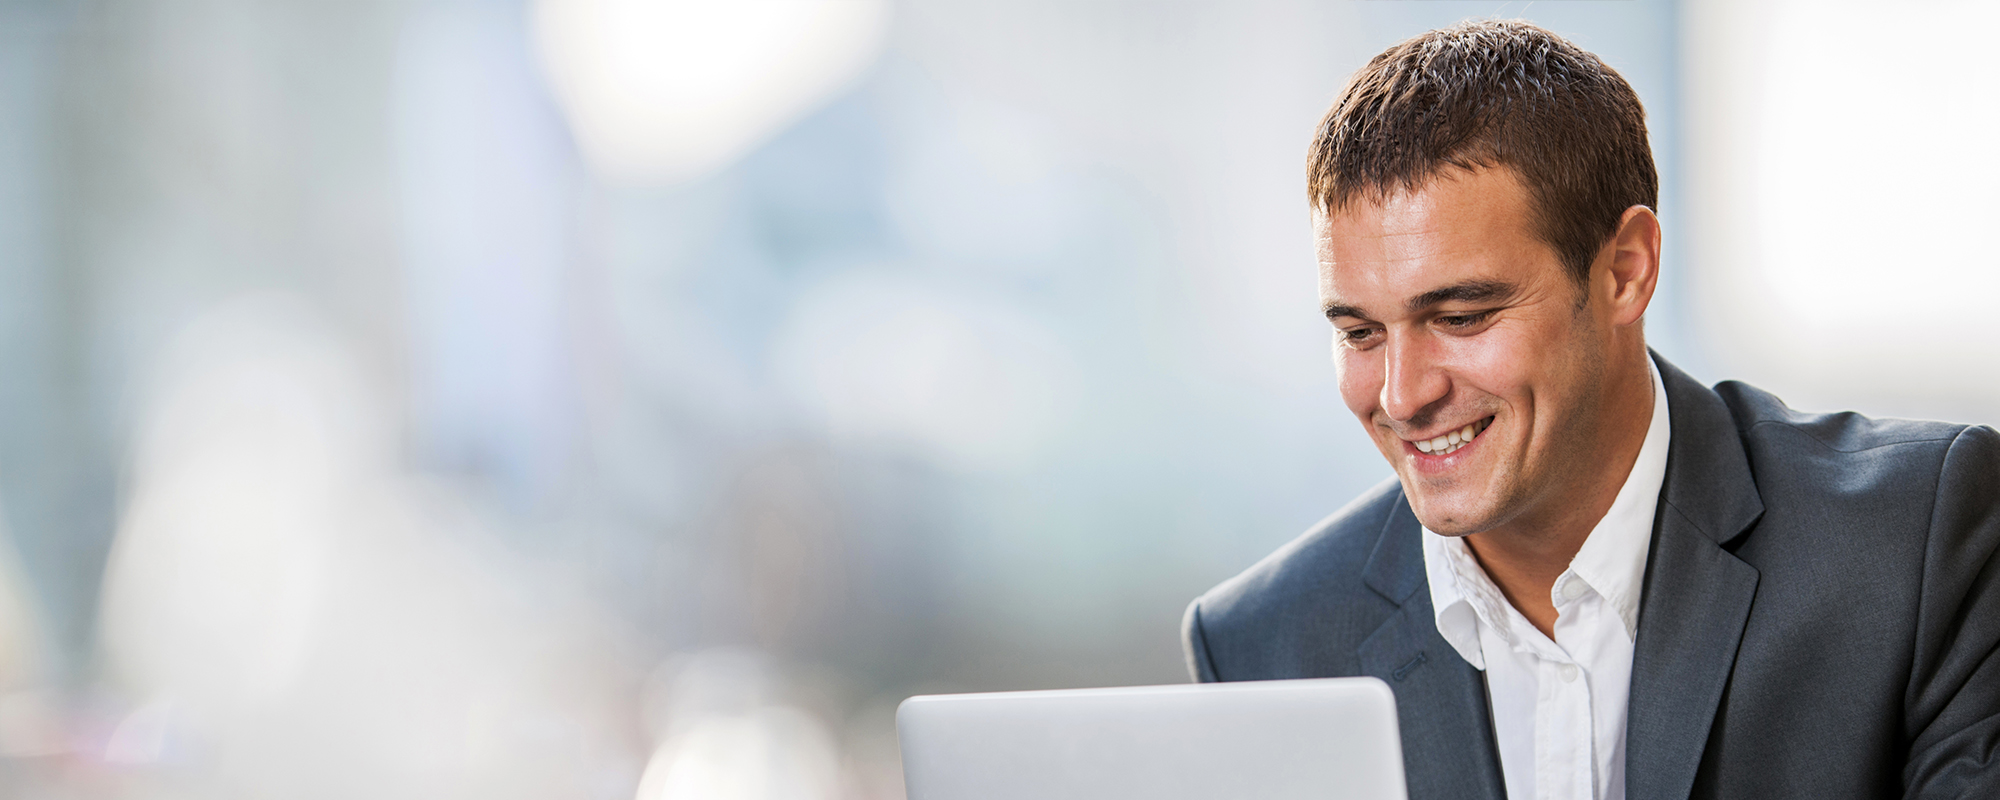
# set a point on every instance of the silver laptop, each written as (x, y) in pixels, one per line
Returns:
(1324, 739)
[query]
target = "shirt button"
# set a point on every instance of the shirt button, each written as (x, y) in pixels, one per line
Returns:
(1573, 589)
(1567, 671)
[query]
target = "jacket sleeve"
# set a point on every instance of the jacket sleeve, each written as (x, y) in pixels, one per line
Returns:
(1200, 667)
(1952, 708)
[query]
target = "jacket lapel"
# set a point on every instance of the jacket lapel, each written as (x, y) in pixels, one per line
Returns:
(1448, 745)
(1697, 595)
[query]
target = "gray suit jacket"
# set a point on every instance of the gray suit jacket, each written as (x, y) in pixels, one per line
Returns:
(1820, 616)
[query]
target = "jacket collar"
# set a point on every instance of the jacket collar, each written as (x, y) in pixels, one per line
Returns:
(1708, 473)
(1447, 731)
(1697, 594)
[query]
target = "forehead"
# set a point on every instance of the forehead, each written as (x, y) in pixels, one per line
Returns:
(1460, 226)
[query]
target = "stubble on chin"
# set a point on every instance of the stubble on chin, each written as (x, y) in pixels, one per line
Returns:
(1444, 523)
(1454, 506)
(1430, 501)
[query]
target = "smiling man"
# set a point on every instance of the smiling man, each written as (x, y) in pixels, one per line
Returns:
(1594, 577)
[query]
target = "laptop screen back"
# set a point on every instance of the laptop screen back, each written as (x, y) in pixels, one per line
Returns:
(1324, 739)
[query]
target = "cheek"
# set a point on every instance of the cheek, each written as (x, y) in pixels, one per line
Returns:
(1499, 361)
(1360, 376)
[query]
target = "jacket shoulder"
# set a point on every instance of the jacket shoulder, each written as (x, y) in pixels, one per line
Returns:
(1876, 481)
(1762, 418)
(1299, 608)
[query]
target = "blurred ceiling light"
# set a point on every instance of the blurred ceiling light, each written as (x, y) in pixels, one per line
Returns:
(664, 90)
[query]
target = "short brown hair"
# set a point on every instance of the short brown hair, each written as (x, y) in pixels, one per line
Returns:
(1487, 93)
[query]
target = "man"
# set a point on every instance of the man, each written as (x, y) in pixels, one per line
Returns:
(1594, 577)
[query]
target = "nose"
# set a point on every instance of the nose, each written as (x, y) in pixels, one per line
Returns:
(1412, 379)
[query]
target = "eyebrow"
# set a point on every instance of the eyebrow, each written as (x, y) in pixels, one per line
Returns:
(1466, 292)
(1475, 291)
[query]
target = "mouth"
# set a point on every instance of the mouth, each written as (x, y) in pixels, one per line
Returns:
(1453, 441)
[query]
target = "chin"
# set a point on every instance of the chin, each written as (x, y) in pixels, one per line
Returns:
(1441, 515)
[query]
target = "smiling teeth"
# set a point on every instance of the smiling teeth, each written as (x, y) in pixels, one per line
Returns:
(1444, 445)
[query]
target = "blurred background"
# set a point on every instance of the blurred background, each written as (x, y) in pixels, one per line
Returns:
(637, 399)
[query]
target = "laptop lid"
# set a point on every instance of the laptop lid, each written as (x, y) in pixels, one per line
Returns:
(1324, 739)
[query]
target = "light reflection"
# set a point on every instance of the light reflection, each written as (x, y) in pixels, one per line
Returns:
(660, 90)
(728, 736)
(288, 614)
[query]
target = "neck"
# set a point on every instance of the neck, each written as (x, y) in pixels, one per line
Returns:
(1525, 556)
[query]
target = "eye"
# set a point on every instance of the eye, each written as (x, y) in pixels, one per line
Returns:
(1465, 321)
(1360, 337)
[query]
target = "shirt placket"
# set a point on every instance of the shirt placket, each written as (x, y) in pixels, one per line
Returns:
(1564, 769)
(1565, 763)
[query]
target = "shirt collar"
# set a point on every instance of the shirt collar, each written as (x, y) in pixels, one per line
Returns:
(1611, 562)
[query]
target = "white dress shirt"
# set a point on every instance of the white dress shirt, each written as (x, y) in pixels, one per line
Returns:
(1559, 706)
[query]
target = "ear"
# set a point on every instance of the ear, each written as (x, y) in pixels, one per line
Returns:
(1628, 268)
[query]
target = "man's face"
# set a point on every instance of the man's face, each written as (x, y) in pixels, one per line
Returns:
(1463, 350)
